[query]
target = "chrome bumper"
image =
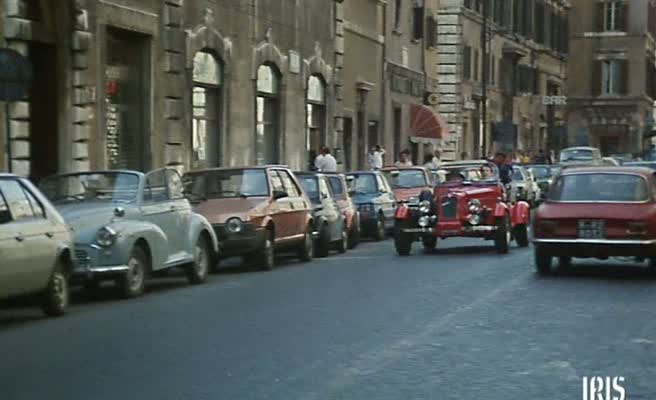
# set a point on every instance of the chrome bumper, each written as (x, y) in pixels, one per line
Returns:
(479, 229)
(419, 230)
(596, 242)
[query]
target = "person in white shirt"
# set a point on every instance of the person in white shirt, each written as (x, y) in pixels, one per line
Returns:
(404, 159)
(318, 160)
(436, 161)
(327, 163)
(376, 157)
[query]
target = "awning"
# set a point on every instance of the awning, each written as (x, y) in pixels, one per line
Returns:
(426, 125)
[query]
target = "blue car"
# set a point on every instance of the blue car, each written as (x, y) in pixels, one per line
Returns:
(375, 201)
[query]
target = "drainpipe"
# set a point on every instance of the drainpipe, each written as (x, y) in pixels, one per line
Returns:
(384, 92)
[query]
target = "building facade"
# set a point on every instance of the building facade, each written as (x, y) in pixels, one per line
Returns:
(141, 84)
(493, 86)
(612, 75)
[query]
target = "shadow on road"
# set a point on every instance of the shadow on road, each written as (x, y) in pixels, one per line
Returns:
(606, 271)
(473, 251)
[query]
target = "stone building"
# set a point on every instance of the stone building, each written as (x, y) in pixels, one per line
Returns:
(612, 74)
(527, 53)
(146, 83)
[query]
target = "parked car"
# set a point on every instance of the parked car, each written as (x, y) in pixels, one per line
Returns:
(346, 205)
(36, 246)
(470, 203)
(408, 182)
(329, 222)
(597, 212)
(581, 156)
(255, 211)
(127, 225)
(646, 164)
(375, 201)
(523, 185)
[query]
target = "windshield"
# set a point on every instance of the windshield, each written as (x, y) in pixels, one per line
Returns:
(517, 175)
(576, 155)
(311, 186)
(406, 178)
(363, 184)
(114, 187)
(651, 165)
(541, 172)
(594, 187)
(485, 173)
(222, 184)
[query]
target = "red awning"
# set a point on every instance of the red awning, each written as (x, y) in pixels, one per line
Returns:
(426, 124)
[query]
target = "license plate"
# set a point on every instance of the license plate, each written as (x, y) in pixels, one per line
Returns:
(592, 229)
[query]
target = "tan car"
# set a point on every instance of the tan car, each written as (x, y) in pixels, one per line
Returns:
(35, 246)
(255, 211)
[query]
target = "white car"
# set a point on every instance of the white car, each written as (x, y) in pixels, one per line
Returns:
(523, 185)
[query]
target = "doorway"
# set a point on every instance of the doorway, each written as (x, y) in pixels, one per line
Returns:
(44, 135)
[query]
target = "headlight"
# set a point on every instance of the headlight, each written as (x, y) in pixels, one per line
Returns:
(474, 206)
(424, 221)
(424, 207)
(106, 236)
(413, 200)
(234, 225)
(475, 219)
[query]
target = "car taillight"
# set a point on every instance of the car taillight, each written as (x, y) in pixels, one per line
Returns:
(636, 228)
(546, 227)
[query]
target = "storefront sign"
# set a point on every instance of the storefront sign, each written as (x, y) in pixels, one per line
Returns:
(15, 75)
(554, 100)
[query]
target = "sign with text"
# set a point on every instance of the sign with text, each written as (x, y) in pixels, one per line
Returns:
(554, 100)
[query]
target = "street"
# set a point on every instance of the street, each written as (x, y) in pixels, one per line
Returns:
(464, 323)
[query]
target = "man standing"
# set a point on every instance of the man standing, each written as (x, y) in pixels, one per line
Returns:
(505, 170)
(404, 159)
(376, 157)
(437, 160)
(327, 163)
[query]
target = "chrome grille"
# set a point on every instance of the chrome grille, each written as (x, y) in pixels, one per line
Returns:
(449, 207)
(82, 257)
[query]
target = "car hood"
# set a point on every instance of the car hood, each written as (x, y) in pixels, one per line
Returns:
(403, 194)
(218, 211)
(86, 218)
(479, 192)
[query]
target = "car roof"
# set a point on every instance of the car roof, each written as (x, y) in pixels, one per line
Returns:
(106, 171)
(309, 173)
(7, 175)
(213, 169)
(580, 148)
(464, 163)
(646, 172)
(362, 172)
(394, 168)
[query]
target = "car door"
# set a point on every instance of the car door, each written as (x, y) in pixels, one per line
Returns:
(158, 209)
(12, 252)
(299, 205)
(182, 212)
(34, 234)
(282, 211)
(330, 210)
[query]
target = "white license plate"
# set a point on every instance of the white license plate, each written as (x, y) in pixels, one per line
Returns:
(591, 229)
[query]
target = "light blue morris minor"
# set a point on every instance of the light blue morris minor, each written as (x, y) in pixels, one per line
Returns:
(127, 225)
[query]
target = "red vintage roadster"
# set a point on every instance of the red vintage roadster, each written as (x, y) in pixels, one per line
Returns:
(469, 201)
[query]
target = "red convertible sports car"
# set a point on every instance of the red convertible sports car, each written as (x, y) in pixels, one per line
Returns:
(597, 212)
(470, 201)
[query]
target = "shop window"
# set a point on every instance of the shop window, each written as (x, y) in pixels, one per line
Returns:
(316, 115)
(267, 115)
(206, 102)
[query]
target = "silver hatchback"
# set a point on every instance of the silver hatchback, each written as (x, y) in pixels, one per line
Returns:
(35, 246)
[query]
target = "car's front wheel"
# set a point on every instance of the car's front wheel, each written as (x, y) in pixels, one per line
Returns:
(402, 240)
(379, 233)
(542, 261)
(343, 243)
(429, 242)
(521, 235)
(198, 270)
(133, 282)
(266, 256)
(354, 233)
(503, 235)
(322, 248)
(306, 252)
(56, 297)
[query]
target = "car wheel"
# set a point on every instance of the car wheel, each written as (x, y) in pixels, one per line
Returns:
(379, 234)
(564, 263)
(306, 252)
(322, 248)
(402, 240)
(343, 243)
(521, 235)
(266, 256)
(542, 261)
(354, 233)
(133, 282)
(503, 235)
(197, 271)
(429, 242)
(56, 297)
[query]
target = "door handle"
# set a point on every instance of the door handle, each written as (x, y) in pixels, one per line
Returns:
(50, 234)
(19, 238)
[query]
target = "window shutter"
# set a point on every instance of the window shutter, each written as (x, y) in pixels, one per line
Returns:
(431, 32)
(595, 84)
(600, 17)
(418, 23)
(622, 17)
(624, 73)
(466, 63)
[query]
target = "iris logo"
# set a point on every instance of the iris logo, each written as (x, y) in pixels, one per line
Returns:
(604, 388)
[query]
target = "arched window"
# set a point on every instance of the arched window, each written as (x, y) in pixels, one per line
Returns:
(267, 115)
(316, 116)
(207, 102)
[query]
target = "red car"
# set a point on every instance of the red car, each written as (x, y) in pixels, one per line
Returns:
(597, 212)
(470, 202)
(407, 182)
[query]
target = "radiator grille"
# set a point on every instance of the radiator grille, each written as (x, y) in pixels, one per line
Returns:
(449, 207)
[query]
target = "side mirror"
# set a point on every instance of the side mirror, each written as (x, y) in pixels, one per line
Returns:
(119, 212)
(279, 194)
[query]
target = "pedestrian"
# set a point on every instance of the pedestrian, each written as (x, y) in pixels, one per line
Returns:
(428, 162)
(540, 158)
(436, 160)
(505, 173)
(327, 163)
(404, 159)
(526, 158)
(376, 157)
(318, 160)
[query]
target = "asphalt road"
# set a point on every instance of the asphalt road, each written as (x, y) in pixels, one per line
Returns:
(464, 323)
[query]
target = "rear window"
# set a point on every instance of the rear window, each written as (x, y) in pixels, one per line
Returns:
(600, 187)
(336, 185)
(310, 185)
(517, 175)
